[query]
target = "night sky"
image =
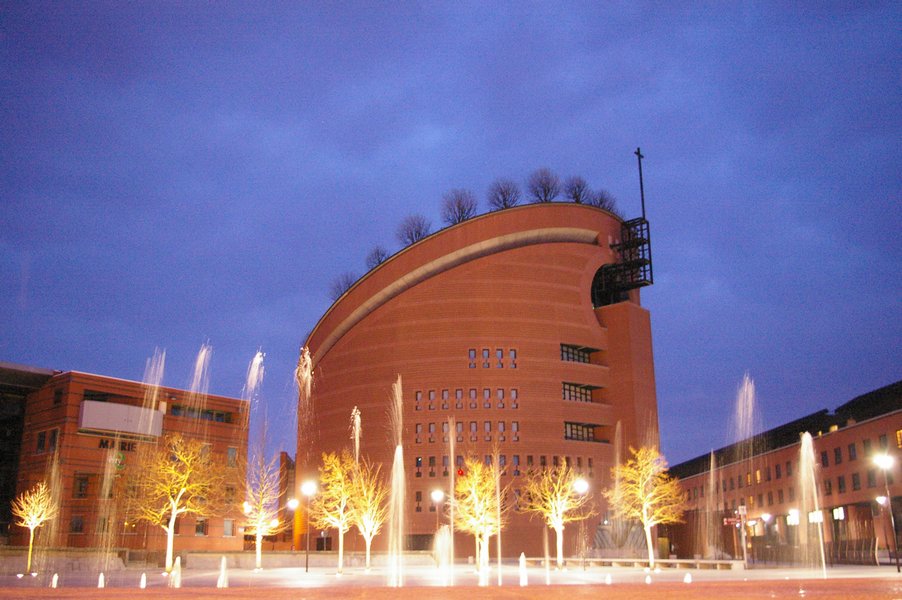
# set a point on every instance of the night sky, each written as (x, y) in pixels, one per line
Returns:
(172, 173)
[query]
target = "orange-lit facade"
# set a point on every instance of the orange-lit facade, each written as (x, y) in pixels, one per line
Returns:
(492, 327)
(856, 527)
(75, 420)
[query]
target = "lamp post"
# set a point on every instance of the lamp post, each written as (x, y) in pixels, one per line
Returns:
(308, 488)
(581, 486)
(437, 497)
(885, 463)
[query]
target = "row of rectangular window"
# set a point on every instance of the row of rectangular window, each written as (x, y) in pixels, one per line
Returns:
(580, 354)
(217, 416)
(473, 400)
(502, 462)
(581, 432)
(488, 361)
(431, 430)
(577, 392)
(46, 440)
(201, 526)
(852, 451)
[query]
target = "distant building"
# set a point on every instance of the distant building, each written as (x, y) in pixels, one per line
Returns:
(72, 422)
(519, 331)
(766, 481)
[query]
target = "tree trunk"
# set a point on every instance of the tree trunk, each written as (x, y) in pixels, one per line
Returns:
(259, 548)
(170, 541)
(341, 550)
(30, 547)
(369, 542)
(559, 542)
(651, 549)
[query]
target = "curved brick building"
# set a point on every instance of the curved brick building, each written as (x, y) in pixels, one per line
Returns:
(522, 324)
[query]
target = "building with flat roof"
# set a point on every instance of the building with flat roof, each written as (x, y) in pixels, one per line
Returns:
(518, 332)
(74, 424)
(768, 482)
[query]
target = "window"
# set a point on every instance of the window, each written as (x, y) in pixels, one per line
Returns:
(866, 446)
(837, 456)
(757, 476)
(501, 426)
(516, 463)
(472, 355)
(228, 527)
(529, 460)
(780, 496)
(460, 426)
(882, 441)
(581, 354)
(872, 478)
(80, 489)
(856, 481)
(841, 484)
(515, 427)
(512, 354)
(732, 487)
(579, 431)
(899, 438)
(419, 462)
(543, 461)
(514, 397)
(577, 392)
(77, 524)
(825, 460)
(418, 428)
(200, 526)
(487, 425)
(473, 428)
(853, 453)
(770, 498)
(232, 456)
(789, 468)
(41, 444)
(499, 354)
(230, 493)
(792, 494)
(431, 429)
(445, 427)
(472, 397)
(828, 487)
(485, 358)
(777, 471)
(57, 396)
(486, 398)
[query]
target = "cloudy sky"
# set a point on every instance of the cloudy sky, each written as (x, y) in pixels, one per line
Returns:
(172, 173)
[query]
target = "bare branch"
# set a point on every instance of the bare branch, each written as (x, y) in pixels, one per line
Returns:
(341, 284)
(543, 186)
(413, 229)
(577, 190)
(457, 206)
(376, 257)
(503, 193)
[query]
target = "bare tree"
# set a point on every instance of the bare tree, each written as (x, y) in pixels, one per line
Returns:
(577, 190)
(503, 193)
(33, 508)
(176, 477)
(376, 257)
(368, 503)
(457, 206)
(341, 284)
(553, 494)
(646, 493)
(543, 186)
(413, 229)
(602, 199)
(261, 503)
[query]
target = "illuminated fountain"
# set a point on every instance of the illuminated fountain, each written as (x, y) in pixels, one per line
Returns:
(396, 513)
(811, 545)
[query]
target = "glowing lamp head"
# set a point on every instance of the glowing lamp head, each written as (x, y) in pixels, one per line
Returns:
(581, 486)
(884, 461)
(246, 507)
(308, 488)
(766, 517)
(274, 523)
(437, 496)
(293, 503)
(881, 500)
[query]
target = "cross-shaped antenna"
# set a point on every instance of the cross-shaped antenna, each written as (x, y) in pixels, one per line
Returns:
(639, 156)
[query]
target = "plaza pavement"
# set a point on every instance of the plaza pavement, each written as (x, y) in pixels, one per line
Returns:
(423, 583)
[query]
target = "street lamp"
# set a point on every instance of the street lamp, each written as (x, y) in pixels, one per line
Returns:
(581, 486)
(437, 497)
(885, 463)
(308, 488)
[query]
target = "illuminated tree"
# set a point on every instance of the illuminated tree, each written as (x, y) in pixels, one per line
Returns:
(554, 495)
(261, 504)
(33, 508)
(368, 503)
(476, 506)
(646, 493)
(176, 477)
(332, 505)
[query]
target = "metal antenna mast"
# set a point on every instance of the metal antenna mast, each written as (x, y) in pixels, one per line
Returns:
(639, 156)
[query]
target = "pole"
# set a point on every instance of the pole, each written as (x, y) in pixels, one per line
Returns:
(639, 156)
(307, 551)
(892, 520)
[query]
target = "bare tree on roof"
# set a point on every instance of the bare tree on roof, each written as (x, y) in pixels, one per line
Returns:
(376, 257)
(543, 186)
(458, 205)
(602, 199)
(412, 229)
(503, 193)
(577, 190)
(341, 284)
